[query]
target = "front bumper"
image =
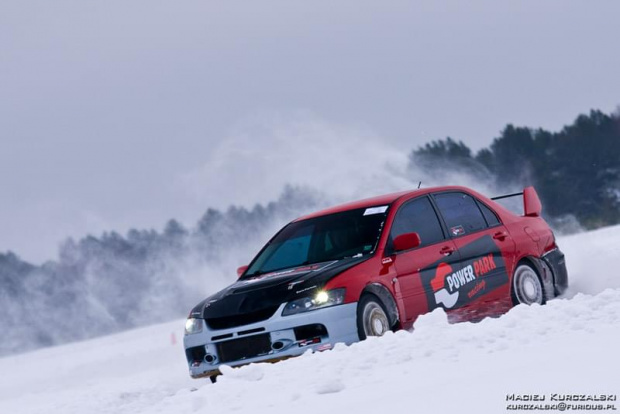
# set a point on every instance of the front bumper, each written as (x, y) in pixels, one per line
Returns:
(287, 336)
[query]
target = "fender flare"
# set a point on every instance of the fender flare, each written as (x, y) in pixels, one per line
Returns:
(387, 299)
(544, 272)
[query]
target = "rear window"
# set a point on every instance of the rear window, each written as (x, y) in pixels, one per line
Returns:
(489, 215)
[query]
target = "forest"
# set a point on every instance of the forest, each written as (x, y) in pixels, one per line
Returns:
(576, 171)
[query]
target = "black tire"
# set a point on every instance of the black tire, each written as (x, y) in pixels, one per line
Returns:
(527, 288)
(372, 317)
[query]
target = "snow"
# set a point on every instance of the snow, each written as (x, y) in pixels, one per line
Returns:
(569, 345)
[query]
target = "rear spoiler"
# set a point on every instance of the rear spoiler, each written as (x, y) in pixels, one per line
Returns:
(532, 207)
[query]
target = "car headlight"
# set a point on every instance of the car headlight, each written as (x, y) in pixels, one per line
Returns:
(321, 299)
(192, 326)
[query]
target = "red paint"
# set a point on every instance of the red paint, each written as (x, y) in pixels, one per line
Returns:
(531, 203)
(401, 273)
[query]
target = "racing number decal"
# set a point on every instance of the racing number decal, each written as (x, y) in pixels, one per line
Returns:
(452, 288)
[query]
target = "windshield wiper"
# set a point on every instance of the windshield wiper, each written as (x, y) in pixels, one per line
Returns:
(355, 256)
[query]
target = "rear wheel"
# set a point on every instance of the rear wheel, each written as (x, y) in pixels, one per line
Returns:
(527, 287)
(372, 319)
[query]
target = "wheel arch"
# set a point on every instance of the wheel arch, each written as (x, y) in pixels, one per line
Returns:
(385, 296)
(543, 271)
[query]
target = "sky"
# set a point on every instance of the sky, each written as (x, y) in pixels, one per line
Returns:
(119, 114)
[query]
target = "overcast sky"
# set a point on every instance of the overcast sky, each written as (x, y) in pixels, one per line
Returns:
(113, 112)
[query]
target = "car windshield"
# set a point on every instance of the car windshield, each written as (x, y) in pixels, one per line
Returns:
(352, 233)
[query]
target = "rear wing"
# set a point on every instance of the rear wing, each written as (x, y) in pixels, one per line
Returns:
(532, 207)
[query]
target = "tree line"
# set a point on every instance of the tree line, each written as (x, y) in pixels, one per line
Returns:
(99, 285)
(576, 171)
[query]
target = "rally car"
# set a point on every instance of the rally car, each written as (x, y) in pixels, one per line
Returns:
(363, 268)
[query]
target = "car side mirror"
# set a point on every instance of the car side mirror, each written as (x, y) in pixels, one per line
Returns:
(241, 270)
(407, 241)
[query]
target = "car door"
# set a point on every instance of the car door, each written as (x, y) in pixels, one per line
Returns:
(485, 250)
(418, 270)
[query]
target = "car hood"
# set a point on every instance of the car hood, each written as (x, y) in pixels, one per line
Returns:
(271, 289)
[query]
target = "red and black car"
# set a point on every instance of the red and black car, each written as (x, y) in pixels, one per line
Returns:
(363, 268)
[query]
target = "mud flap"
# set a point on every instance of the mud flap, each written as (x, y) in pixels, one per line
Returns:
(546, 274)
(556, 261)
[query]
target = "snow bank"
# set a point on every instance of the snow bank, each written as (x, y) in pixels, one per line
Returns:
(567, 346)
(440, 368)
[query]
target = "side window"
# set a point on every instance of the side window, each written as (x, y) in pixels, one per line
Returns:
(418, 216)
(460, 212)
(489, 215)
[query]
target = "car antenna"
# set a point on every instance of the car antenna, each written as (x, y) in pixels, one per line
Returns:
(419, 184)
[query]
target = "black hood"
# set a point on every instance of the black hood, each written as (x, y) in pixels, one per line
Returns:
(270, 290)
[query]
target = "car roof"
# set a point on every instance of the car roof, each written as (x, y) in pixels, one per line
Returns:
(364, 203)
(391, 198)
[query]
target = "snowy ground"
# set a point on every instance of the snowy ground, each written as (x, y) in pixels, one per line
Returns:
(569, 346)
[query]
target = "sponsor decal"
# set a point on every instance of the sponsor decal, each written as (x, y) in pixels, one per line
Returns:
(449, 286)
(292, 284)
(457, 230)
(307, 342)
(375, 210)
(306, 289)
(447, 283)
(442, 296)
(386, 260)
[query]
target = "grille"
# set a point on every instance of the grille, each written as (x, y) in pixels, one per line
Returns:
(243, 348)
(242, 319)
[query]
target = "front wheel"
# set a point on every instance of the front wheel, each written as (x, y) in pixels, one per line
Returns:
(527, 287)
(372, 319)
